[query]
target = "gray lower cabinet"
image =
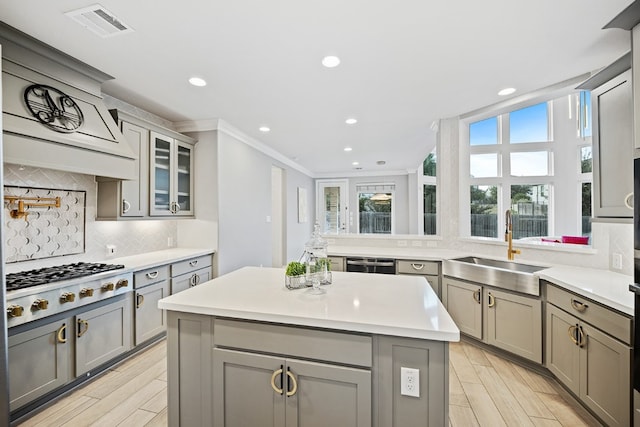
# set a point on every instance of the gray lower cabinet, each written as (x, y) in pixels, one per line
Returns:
(41, 355)
(514, 323)
(188, 280)
(464, 304)
(255, 389)
(150, 321)
(506, 320)
(102, 334)
(228, 372)
(430, 270)
(592, 364)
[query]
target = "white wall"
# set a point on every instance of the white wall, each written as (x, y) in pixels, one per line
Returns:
(233, 201)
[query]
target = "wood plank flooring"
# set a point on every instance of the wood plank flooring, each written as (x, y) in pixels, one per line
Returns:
(485, 390)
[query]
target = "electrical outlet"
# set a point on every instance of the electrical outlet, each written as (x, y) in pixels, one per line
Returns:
(402, 243)
(416, 243)
(170, 242)
(410, 382)
(431, 244)
(616, 261)
(111, 250)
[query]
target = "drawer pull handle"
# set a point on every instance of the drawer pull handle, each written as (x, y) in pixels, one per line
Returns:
(273, 381)
(139, 300)
(80, 324)
(193, 263)
(125, 206)
(291, 379)
(152, 275)
(417, 266)
(579, 306)
(62, 336)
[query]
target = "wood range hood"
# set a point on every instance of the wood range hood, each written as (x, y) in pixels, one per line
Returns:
(53, 115)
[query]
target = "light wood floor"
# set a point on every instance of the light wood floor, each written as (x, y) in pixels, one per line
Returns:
(485, 390)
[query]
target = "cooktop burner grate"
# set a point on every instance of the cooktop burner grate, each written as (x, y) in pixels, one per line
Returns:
(43, 276)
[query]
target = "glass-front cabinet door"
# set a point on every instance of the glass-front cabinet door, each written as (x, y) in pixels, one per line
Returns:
(171, 163)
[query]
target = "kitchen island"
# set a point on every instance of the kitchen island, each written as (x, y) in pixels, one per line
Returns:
(243, 350)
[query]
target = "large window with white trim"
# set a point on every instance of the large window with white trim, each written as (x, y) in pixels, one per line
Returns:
(524, 160)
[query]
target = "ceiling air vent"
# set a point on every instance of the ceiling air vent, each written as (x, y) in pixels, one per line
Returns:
(99, 20)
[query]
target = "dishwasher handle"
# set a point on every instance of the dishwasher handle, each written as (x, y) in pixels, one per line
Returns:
(371, 263)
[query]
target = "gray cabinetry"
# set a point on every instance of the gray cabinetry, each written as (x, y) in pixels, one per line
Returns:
(190, 272)
(44, 353)
(429, 269)
(171, 178)
(593, 364)
(102, 334)
(151, 286)
(506, 320)
(464, 303)
(613, 145)
(514, 323)
(129, 198)
(337, 263)
(255, 389)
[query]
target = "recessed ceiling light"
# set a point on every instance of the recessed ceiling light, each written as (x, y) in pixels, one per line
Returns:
(264, 129)
(506, 91)
(381, 162)
(351, 121)
(355, 163)
(197, 81)
(348, 148)
(330, 61)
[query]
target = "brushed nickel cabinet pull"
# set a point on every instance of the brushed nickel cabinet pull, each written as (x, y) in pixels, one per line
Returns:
(492, 300)
(476, 297)
(193, 263)
(139, 300)
(152, 275)
(417, 266)
(581, 341)
(125, 206)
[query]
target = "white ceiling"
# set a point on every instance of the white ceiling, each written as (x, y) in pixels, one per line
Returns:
(405, 64)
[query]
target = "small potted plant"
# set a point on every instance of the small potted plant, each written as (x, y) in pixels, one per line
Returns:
(295, 275)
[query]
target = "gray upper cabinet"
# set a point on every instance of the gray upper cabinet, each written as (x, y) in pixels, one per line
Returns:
(164, 175)
(613, 147)
(171, 178)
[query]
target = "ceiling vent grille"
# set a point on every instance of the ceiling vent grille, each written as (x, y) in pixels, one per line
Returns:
(99, 20)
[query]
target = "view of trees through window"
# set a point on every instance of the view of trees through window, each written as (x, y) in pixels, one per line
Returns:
(375, 212)
(429, 194)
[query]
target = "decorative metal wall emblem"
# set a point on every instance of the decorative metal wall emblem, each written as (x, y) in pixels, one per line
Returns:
(53, 108)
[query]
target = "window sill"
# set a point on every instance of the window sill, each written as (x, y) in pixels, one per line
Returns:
(543, 246)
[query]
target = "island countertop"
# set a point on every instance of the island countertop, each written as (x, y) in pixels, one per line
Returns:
(403, 306)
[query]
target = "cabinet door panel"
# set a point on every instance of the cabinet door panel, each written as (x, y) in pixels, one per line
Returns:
(464, 304)
(185, 281)
(242, 392)
(107, 334)
(605, 377)
(150, 320)
(135, 193)
(328, 395)
(562, 354)
(41, 359)
(161, 180)
(514, 323)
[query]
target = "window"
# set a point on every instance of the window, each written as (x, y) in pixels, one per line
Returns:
(375, 208)
(523, 160)
(429, 195)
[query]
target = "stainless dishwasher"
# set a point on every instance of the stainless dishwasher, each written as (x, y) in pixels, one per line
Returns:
(372, 265)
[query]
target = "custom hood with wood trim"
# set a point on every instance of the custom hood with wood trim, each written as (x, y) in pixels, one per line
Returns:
(53, 115)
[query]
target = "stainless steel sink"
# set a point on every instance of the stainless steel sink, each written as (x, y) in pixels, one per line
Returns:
(501, 274)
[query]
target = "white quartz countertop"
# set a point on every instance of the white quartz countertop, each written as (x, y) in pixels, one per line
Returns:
(606, 287)
(152, 259)
(410, 252)
(603, 286)
(404, 306)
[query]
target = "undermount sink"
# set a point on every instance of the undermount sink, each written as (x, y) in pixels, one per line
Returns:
(501, 274)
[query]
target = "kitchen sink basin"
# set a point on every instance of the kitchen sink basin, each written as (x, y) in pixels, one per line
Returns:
(501, 274)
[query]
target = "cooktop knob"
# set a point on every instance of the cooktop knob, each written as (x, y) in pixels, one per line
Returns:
(14, 310)
(122, 283)
(86, 292)
(39, 304)
(67, 297)
(108, 287)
